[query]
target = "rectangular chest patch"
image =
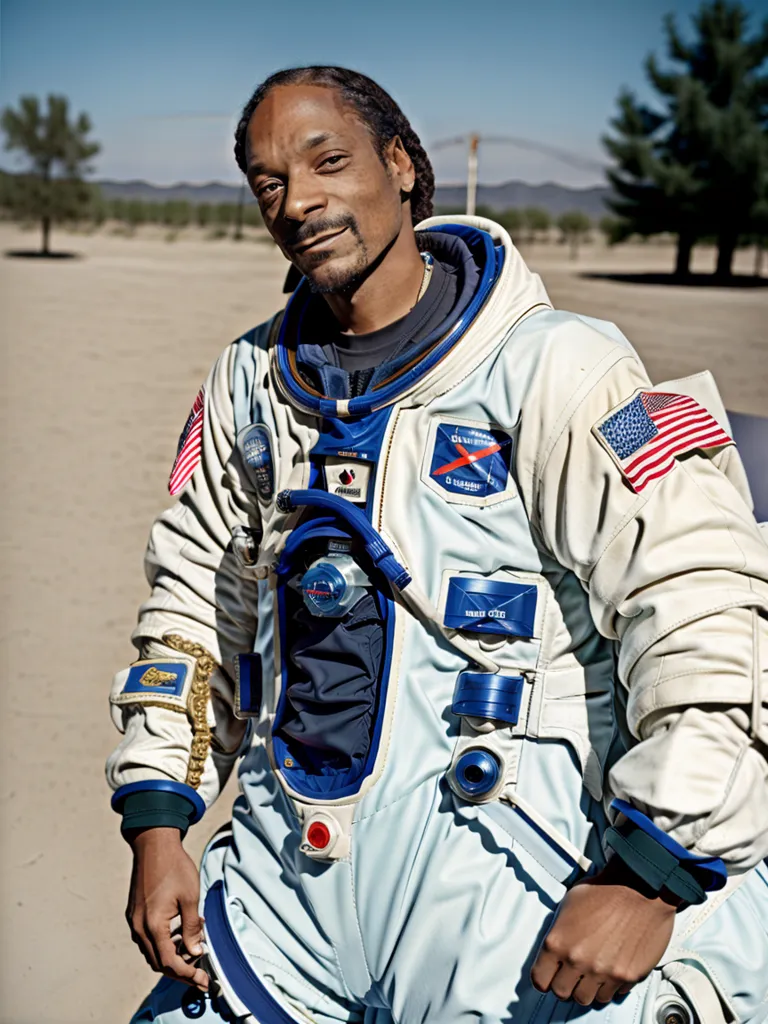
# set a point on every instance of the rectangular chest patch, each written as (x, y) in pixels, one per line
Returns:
(347, 478)
(645, 435)
(472, 461)
(491, 606)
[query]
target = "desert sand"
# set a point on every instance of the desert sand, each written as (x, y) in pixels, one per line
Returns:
(103, 356)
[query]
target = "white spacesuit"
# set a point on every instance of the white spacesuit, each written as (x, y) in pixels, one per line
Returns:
(561, 597)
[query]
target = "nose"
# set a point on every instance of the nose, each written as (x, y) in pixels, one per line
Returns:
(303, 196)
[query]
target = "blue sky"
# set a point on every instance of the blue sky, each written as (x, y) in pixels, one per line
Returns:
(163, 80)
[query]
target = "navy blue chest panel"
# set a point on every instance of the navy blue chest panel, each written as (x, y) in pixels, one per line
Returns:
(336, 622)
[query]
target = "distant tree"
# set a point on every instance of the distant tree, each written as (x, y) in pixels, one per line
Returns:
(512, 221)
(252, 216)
(483, 210)
(224, 214)
(135, 213)
(117, 209)
(698, 167)
(98, 211)
(536, 221)
(758, 234)
(176, 213)
(612, 230)
(6, 192)
(203, 215)
(574, 227)
(57, 150)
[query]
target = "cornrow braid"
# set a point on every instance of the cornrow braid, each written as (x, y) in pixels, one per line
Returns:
(376, 110)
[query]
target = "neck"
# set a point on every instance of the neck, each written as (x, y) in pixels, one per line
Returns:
(385, 295)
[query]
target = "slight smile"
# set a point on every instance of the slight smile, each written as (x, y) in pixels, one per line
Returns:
(320, 243)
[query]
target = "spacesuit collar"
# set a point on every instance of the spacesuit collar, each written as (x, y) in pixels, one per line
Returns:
(504, 293)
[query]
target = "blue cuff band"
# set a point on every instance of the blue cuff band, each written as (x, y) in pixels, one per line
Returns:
(161, 785)
(711, 871)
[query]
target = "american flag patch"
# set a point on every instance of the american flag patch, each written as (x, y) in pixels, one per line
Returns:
(190, 446)
(647, 433)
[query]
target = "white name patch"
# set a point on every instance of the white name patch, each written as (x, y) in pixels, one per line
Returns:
(347, 479)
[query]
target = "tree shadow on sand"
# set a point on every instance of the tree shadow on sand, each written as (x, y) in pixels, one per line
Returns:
(689, 281)
(35, 254)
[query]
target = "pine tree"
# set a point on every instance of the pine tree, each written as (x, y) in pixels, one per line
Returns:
(52, 189)
(699, 168)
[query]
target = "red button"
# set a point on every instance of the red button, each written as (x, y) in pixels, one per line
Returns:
(318, 835)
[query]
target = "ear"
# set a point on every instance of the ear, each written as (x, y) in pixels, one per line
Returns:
(400, 165)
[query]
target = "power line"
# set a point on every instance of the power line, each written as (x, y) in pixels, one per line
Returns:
(473, 141)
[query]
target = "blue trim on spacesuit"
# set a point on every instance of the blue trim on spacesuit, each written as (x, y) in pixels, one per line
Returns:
(163, 786)
(365, 404)
(713, 869)
(358, 440)
(239, 974)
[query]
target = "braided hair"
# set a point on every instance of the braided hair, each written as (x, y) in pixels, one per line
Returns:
(377, 111)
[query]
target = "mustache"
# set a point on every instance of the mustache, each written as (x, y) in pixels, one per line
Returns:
(306, 232)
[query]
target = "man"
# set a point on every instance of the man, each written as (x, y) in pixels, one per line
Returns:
(481, 610)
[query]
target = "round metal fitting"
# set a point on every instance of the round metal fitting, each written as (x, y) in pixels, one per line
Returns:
(477, 772)
(673, 1012)
(323, 588)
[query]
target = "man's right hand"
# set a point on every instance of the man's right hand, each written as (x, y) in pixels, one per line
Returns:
(165, 884)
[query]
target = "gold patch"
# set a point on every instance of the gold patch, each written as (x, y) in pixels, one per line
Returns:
(154, 677)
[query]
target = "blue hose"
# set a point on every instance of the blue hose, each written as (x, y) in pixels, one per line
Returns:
(379, 552)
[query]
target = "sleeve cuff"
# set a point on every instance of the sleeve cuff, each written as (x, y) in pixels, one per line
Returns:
(156, 809)
(158, 803)
(659, 861)
(711, 871)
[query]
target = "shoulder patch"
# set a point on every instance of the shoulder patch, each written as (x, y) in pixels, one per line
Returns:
(645, 434)
(190, 446)
(255, 444)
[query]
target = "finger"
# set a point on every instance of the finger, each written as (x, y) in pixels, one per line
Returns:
(158, 931)
(174, 965)
(565, 981)
(607, 992)
(144, 942)
(544, 969)
(191, 928)
(586, 989)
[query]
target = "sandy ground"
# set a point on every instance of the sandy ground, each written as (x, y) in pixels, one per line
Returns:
(102, 358)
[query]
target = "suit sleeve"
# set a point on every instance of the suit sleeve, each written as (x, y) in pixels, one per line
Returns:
(199, 615)
(677, 576)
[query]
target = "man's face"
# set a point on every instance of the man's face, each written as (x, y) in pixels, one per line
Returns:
(326, 197)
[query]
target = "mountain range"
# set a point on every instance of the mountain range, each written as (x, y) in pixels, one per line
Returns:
(556, 199)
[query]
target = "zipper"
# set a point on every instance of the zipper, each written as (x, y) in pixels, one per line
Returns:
(384, 467)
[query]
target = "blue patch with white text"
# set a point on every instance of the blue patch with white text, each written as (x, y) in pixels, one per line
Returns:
(162, 677)
(473, 461)
(491, 606)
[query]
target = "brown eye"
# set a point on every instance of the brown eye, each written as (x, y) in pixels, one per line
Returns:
(267, 189)
(333, 161)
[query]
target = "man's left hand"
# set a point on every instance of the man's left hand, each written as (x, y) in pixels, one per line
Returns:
(606, 937)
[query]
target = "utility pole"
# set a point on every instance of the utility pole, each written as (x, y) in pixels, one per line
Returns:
(472, 175)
